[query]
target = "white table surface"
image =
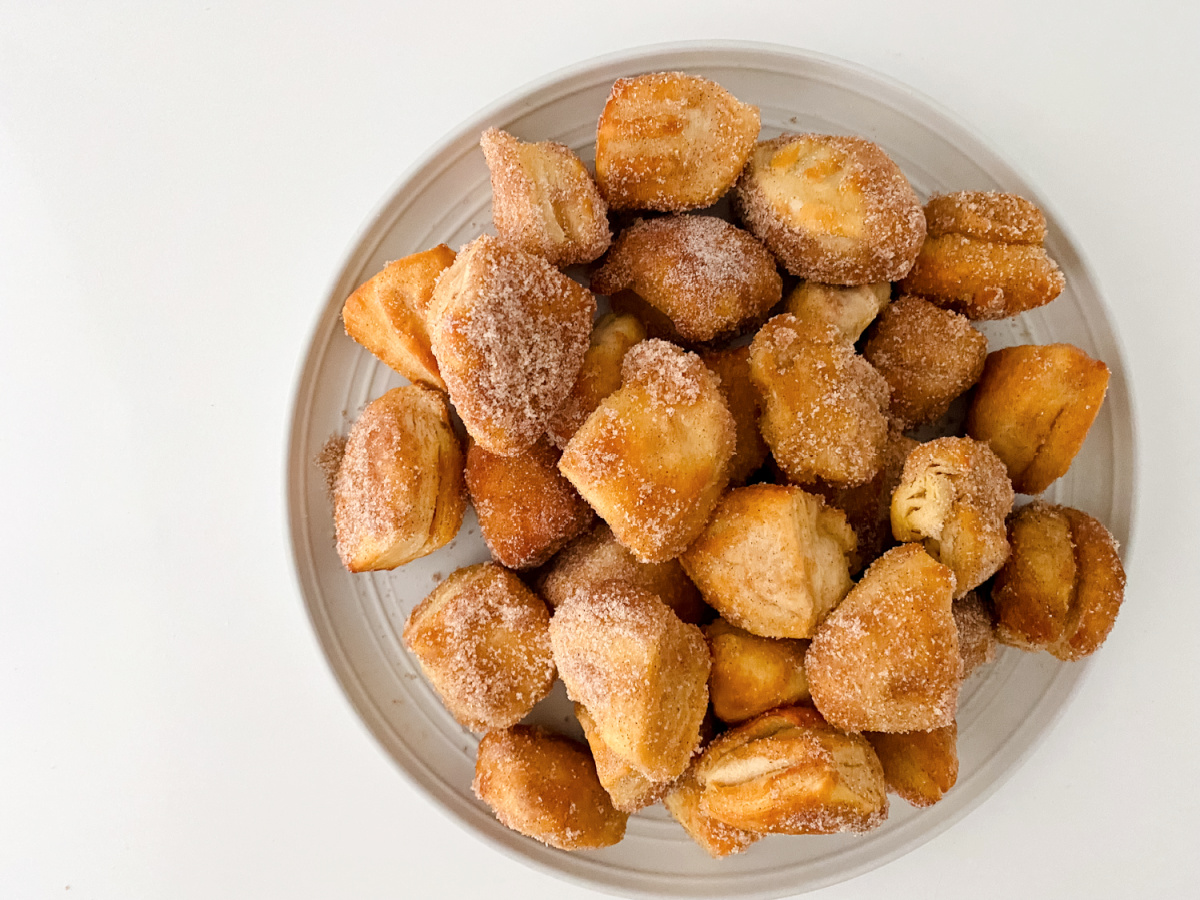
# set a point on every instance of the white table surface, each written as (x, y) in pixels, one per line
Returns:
(178, 183)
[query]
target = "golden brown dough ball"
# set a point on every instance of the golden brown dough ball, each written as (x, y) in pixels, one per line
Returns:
(773, 559)
(824, 406)
(483, 641)
(732, 367)
(527, 510)
(598, 557)
(833, 209)
(751, 674)
(868, 506)
(850, 309)
(544, 786)
(600, 375)
(641, 673)
(920, 766)
(387, 314)
(976, 632)
(655, 322)
(983, 256)
(544, 200)
(718, 840)
(398, 493)
(1062, 587)
(790, 772)
(653, 458)
(887, 658)
(671, 142)
(1034, 406)
(509, 332)
(954, 496)
(928, 356)
(708, 276)
(628, 788)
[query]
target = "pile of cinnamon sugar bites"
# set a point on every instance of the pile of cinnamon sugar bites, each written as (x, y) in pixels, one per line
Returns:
(706, 510)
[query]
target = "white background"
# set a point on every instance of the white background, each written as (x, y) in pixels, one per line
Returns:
(178, 184)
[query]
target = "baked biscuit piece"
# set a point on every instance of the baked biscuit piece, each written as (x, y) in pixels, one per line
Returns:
(545, 786)
(1062, 587)
(986, 216)
(1034, 406)
(641, 673)
(544, 200)
(790, 772)
(708, 276)
(928, 356)
(612, 337)
(653, 458)
(732, 367)
(398, 493)
(832, 209)
(671, 142)
(751, 674)
(954, 496)
(824, 406)
(628, 788)
(976, 632)
(850, 309)
(887, 658)
(983, 256)
(597, 557)
(716, 838)
(868, 506)
(527, 510)
(387, 314)
(483, 641)
(919, 766)
(772, 560)
(509, 332)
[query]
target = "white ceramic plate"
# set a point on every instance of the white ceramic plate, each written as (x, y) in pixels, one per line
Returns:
(446, 198)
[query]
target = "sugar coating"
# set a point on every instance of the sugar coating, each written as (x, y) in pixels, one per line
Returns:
(708, 276)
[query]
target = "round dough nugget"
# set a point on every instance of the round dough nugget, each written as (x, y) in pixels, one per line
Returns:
(543, 199)
(833, 209)
(887, 658)
(824, 406)
(732, 367)
(708, 276)
(545, 786)
(398, 493)
(752, 674)
(509, 332)
(641, 673)
(850, 309)
(671, 142)
(773, 559)
(653, 458)
(611, 339)
(483, 641)
(983, 256)
(526, 509)
(790, 772)
(598, 557)
(919, 766)
(1062, 587)
(954, 496)
(928, 356)
(1034, 406)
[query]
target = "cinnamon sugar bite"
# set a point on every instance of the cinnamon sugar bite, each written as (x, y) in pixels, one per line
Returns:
(509, 332)
(653, 458)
